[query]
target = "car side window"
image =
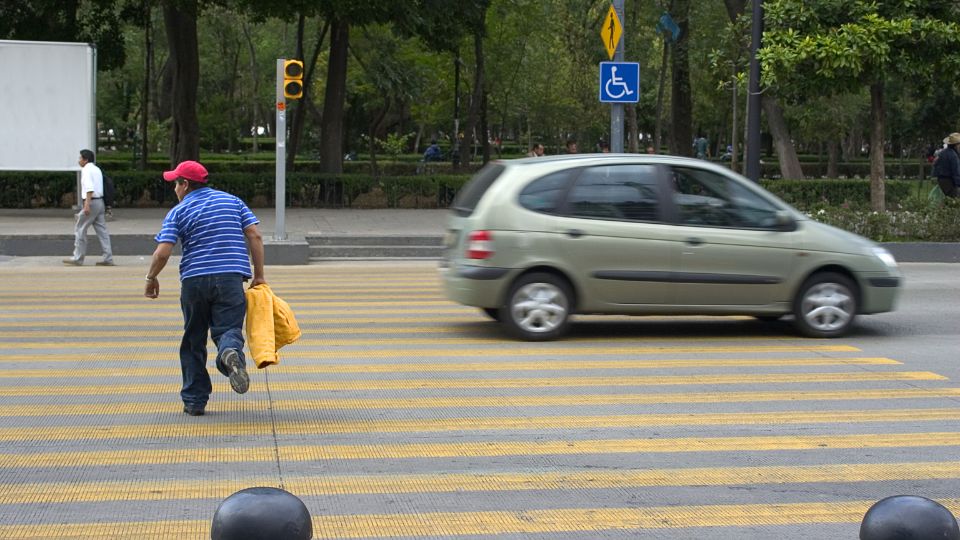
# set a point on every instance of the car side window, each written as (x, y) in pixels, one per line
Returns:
(709, 199)
(544, 194)
(621, 192)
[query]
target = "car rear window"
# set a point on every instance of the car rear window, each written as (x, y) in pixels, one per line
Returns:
(545, 194)
(470, 194)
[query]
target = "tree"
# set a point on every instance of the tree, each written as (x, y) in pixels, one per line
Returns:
(836, 46)
(786, 151)
(341, 15)
(681, 131)
(180, 21)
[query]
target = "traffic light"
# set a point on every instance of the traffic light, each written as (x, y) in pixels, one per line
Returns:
(292, 79)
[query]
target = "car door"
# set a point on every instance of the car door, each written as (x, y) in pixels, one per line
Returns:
(732, 248)
(610, 230)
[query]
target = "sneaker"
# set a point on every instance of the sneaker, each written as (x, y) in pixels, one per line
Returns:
(106, 263)
(72, 262)
(193, 410)
(239, 380)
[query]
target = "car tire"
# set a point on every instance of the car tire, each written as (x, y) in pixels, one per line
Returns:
(825, 306)
(538, 307)
(492, 312)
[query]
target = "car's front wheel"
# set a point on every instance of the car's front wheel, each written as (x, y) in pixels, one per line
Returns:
(538, 307)
(826, 305)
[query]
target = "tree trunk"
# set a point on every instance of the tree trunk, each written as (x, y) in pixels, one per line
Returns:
(180, 19)
(300, 112)
(331, 128)
(145, 98)
(877, 176)
(658, 126)
(681, 130)
(484, 128)
(256, 88)
(833, 157)
(786, 152)
(476, 101)
(632, 128)
(734, 139)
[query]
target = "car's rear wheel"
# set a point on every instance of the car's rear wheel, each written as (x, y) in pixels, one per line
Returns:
(826, 305)
(492, 312)
(538, 307)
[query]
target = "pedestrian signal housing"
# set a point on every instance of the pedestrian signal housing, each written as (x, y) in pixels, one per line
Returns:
(292, 79)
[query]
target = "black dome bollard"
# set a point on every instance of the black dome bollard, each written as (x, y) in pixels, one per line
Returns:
(908, 517)
(262, 513)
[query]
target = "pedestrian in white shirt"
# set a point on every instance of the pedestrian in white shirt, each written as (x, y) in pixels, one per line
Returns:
(92, 213)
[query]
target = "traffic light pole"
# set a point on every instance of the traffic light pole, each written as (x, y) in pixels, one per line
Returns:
(280, 135)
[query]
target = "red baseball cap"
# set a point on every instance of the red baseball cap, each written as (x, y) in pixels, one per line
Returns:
(190, 170)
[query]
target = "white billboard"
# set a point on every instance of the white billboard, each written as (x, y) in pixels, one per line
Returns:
(47, 104)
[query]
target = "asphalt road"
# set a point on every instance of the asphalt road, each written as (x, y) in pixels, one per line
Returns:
(401, 415)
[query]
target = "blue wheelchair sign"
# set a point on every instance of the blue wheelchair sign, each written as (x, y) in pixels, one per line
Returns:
(619, 82)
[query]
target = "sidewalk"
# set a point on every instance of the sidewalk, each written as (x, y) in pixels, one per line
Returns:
(49, 232)
(298, 221)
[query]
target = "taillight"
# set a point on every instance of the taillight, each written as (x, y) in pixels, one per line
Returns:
(480, 245)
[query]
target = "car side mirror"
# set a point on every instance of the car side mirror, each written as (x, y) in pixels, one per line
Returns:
(785, 221)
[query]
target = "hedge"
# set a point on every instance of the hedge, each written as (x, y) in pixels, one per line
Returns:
(147, 189)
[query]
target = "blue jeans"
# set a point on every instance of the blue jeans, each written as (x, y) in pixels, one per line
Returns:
(216, 304)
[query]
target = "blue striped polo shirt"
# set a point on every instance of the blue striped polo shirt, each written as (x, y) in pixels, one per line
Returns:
(209, 224)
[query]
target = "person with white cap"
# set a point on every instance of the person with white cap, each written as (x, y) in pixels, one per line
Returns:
(219, 237)
(947, 166)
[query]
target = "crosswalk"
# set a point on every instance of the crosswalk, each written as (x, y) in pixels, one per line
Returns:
(402, 415)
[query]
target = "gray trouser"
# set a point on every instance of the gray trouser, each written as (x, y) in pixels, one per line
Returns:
(95, 218)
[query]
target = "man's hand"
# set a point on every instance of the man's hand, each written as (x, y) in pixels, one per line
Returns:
(152, 289)
(86, 209)
(257, 281)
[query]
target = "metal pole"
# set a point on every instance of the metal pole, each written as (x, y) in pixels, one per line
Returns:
(455, 142)
(616, 109)
(280, 135)
(753, 100)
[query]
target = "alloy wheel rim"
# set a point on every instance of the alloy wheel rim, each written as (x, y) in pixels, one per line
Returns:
(539, 307)
(828, 307)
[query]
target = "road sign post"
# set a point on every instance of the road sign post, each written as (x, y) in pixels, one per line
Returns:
(612, 35)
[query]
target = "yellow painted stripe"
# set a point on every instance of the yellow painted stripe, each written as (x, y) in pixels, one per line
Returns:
(172, 311)
(424, 425)
(636, 348)
(466, 315)
(430, 524)
(530, 382)
(123, 322)
(61, 306)
(141, 407)
(315, 486)
(487, 448)
(447, 367)
(287, 292)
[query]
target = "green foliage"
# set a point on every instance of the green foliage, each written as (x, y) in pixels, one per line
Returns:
(820, 193)
(148, 189)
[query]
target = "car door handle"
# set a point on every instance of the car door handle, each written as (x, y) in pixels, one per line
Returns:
(574, 233)
(694, 241)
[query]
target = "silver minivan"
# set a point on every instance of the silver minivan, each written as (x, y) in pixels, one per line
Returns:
(533, 241)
